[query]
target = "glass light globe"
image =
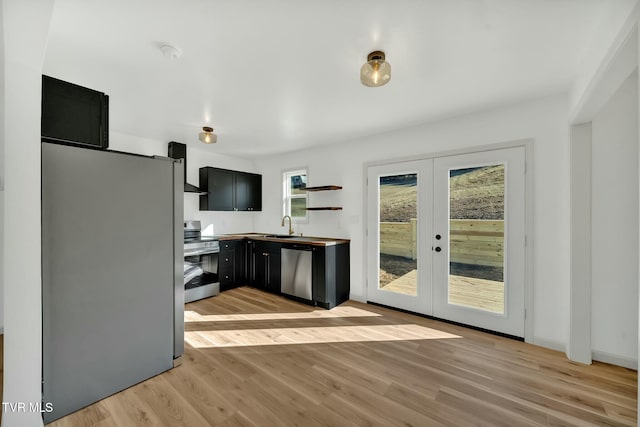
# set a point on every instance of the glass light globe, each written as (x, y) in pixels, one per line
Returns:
(207, 136)
(376, 71)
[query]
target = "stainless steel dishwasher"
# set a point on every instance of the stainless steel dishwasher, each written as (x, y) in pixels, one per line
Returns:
(295, 280)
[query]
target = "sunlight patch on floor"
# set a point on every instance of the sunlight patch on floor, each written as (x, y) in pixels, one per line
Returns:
(192, 316)
(313, 335)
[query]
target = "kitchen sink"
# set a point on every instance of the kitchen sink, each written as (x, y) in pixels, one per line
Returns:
(280, 236)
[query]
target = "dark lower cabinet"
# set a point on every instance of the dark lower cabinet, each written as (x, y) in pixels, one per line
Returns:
(250, 262)
(266, 266)
(231, 262)
(258, 263)
(330, 275)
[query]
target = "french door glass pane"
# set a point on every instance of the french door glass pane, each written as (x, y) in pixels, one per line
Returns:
(398, 233)
(476, 238)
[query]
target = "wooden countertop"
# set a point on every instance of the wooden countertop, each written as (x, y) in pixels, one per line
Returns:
(279, 238)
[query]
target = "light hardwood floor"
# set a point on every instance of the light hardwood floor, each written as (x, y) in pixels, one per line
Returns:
(256, 359)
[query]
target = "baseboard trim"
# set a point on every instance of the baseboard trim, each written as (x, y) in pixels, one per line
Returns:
(600, 356)
(451, 322)
(614, 359)
(177, 361)
(358, 298)
(551, 344)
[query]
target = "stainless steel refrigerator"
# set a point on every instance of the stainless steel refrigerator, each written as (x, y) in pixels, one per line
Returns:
(112, 266)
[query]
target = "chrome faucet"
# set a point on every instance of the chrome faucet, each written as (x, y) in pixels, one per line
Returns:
(290, 226)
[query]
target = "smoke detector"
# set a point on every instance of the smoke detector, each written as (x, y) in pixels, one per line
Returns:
(170, 52)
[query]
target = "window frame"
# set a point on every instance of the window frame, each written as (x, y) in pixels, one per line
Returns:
(287, 196)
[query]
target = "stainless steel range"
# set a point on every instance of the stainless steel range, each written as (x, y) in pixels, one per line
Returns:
(200, 263)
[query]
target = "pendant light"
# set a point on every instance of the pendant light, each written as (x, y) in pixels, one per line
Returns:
(207, 136)
(376, 71)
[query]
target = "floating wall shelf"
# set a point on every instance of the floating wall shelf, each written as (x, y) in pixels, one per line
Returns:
(328, 208)
(325, 188)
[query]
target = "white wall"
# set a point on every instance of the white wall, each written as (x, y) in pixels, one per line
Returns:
(545, 121)
(28, 24)
(579, 346)
(1, 172)
(616, 22)
(224, 222)
(614, 282)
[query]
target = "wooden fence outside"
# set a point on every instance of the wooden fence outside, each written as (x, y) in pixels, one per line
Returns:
(476, 242)
(399, 238)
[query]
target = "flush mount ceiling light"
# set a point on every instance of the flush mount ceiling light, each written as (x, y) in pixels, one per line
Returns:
(376, 71)
(207, 136)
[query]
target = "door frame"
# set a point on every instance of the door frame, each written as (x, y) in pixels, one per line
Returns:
(529, 205)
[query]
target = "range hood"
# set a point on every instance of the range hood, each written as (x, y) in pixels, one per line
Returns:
(179, 151)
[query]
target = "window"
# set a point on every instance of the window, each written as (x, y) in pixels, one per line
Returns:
(295, 195)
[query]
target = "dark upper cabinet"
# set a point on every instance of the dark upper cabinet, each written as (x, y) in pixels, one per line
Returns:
(218, 183)
(74, 115)
(241, 186)
(248, 190)
(255, 183)
(229, 190)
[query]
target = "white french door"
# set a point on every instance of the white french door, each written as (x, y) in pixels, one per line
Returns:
(399, 204)
(446, 238)
(480, 218)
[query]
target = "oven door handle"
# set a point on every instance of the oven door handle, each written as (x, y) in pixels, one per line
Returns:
(201, 252)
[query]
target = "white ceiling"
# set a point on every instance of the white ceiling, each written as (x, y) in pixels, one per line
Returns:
(280, 75)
